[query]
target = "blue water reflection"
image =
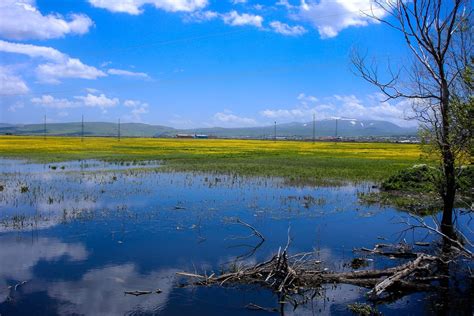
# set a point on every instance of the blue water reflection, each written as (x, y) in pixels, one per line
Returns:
(82, 236)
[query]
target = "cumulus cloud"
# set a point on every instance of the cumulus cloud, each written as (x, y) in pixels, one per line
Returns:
(20, 256)
(100, 101)
(236, 19)
(138, 108)
(16, 106)
(228, 119)
(306, 98)
(21, 20)
(58, 65)
(286, 29)
(48, 101)
(233, 18)
(201, 16)
(127, 73)
(33, 51)
(345, 106)
(69, 68)
(330, 17)
(134, 7)
(11, 84)
(100, 291)
(285, 3)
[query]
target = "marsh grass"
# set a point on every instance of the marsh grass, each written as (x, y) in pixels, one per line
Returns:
(295, 161)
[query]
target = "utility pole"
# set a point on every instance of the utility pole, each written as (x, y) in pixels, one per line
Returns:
(118, 130)
(336, 128)
(314, 127)
(44, 128)
(82, 128)
(275, 132)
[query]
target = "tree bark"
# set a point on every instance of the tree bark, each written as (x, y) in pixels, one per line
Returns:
(449, 186)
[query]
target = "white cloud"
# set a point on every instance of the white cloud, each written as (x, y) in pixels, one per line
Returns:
(20, 256)
(21, 20)
(238, 1)
(32, 51)
(231, 18)
(306, 98)
(127, 73)
(48, 101)
(59, 66)
(288, 114)
(285, 3)
(101, 101)
(16, 106)
(70, 68)
(231, 120)
(11, 84)
(100, 291)
(286, 29)
(135, 6)
(330, 17)
(138, 108)
(201, 16)
(345, 106)
(92, 90)
(235, 19)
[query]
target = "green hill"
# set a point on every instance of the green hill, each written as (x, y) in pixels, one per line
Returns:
(326, 128)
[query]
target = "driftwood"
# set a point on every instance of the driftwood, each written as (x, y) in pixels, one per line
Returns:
(401, 250)
(288, 275)
(422, 262)
(139, 293)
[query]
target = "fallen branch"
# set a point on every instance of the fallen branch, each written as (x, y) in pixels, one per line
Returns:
(256, 307)
(423, 261)
(139, 293)
(455, 243)
(289, 275)
(254, 230)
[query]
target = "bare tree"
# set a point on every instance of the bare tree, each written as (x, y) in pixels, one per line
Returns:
(437, 81)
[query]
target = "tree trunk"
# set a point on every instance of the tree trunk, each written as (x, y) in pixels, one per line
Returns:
(448, 199)
(449, 186)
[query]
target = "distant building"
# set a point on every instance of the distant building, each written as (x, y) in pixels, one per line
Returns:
(198, 136)
(185, 136)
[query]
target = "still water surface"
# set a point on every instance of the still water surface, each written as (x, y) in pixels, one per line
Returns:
(75, 236)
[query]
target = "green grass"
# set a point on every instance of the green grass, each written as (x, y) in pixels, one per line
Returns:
(295, 161)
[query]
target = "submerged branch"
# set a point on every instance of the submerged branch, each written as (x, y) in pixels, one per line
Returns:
(289, 275)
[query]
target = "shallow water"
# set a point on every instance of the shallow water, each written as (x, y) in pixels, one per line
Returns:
(82, 235)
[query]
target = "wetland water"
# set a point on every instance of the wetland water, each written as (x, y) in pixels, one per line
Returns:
(82, 233)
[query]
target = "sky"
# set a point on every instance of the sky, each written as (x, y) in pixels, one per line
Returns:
(192, 63)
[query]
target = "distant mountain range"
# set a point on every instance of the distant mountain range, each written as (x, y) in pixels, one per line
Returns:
(325, 128)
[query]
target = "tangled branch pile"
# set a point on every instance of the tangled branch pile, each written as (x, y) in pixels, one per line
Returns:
(288, 275)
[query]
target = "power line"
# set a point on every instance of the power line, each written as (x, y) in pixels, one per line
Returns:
(218, 34)
(304, 67)
(118, 133)
(185, 39)
(44, 128)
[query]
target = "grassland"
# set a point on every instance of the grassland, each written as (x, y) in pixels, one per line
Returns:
(295, 161)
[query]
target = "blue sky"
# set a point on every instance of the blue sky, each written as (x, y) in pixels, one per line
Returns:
(188, 63)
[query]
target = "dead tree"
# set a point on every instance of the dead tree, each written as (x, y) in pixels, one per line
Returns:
(438, 35)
